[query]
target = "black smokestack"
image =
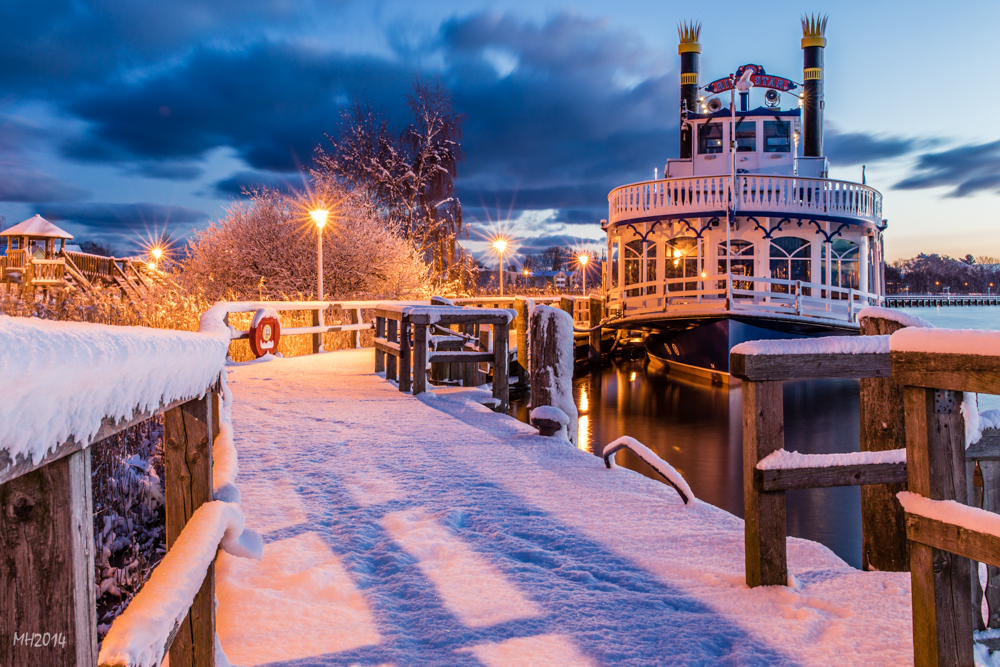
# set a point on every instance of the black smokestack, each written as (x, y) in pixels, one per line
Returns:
(813, 43)
(690, 53)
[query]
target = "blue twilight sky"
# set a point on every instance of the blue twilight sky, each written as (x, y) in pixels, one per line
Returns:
(120, 119)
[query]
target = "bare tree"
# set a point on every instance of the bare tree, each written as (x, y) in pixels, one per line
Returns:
(554, 258)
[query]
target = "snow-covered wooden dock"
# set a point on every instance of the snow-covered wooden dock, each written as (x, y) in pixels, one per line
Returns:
(408, 531)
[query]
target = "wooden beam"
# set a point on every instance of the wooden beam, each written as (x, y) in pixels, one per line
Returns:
(819, 478)
(419, 359)
(991, 503)
(405, 326)
(521, 325)
(317, 337)
(773, 367)
(884, 546)
(187, 462)
(386, 347)
(957, 372)
(957, 540)
(23, 465)
(988, 447)
(47, 587)
(379, 354)
(940, 581)
(459, 357)
(392, 338)
(501, 359)
(764, 512)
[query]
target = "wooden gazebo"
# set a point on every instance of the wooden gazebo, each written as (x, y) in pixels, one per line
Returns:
(32, 259)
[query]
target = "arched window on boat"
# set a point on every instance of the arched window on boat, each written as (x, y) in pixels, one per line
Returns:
(844, 269)
(613, 262)
(740, 262)
(634, 274)
(681, 256)
(790, 260)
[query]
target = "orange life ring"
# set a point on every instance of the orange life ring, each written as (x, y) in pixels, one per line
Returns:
(265, 335)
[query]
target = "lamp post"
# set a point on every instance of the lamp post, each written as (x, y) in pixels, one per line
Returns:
(583, 258)
(319, 217)
(500, 245)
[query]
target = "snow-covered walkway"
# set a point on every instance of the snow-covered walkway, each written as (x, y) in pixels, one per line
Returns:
(402, 531)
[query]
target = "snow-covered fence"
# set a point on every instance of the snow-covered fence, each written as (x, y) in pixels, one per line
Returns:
(937, 368)
(76, 385)
(769, 470)
(402, 338)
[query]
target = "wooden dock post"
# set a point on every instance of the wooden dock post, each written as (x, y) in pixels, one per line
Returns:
(884, 546)
(545, 368)
(940, 580)
(521, 305)
(317, 338)
(47, 567)
(419, 358)
(187, 462)
(355, 314)
(764, 511)
(379, 354)
(390, 363)
(404, 353)
(567, 303)
(596, 315)
(501, 359)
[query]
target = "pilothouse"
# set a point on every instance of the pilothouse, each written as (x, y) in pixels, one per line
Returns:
(745, 237)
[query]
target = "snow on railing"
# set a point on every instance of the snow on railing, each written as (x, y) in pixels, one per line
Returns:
(662, 468)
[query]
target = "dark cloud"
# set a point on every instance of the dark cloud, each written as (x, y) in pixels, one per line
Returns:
(967, 169)
(27, 184)
(246, 181)
(849, 148)
(122, 219)
(166, 170)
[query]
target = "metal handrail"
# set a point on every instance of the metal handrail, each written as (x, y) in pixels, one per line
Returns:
(608, 453)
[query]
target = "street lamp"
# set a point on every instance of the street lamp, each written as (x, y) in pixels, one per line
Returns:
(500, 245)
(319, 217)
(583, 258)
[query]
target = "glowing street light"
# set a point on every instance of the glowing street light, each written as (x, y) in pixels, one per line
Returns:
(583, 258)
(319, 216)
(157, 253)
(500, 245)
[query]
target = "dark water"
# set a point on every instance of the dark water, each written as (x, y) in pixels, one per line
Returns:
(697, 429)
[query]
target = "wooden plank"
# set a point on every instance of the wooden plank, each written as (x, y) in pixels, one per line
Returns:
(958, 372)
(386, 347)
(23, 465)
(404, 354)
(390, 315)
(957, 540)
(317, 338)
(987, 449)
(521, 325)
(459, 357)
(355, 327)
(772, 367)
(940, 581)
(991, 503)
(469, 369)
(764, 512)
(884, 546)
(47, 566)
(595, 315)
(392, 339)
(472, 317)
(501, 359)
(419, 359)
(566, 304)
(379, 353)
(819, 478)
(187, 462)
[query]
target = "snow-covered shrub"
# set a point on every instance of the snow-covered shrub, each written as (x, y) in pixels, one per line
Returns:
(264, 248)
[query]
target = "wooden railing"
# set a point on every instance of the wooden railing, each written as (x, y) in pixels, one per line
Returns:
(943, 531)
(93, 267)
(43, 272)
(401, 344)
(737, 292)
(777, 195)
(14, 260)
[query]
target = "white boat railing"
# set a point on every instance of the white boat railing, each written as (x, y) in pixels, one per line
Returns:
(780, 195)
(735, 292)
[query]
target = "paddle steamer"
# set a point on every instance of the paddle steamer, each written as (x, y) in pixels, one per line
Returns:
(745, 236)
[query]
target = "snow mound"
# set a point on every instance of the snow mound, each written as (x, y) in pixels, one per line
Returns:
(72, 375)
(261, 314)
(551, 413)
(666, 470)
(783, 459)
(139, 635)
(946, 341)
(876, 312)
(829, 345)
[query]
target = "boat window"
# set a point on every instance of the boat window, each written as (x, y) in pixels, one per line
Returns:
(709, 138)
(844, 266)
(633, 266)
(776, 137)
(740, 262)
(651, 267)
(791, 260)
(682, 262)
(746, 135)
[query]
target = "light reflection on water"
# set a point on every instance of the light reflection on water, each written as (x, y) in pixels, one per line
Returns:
(697, 428)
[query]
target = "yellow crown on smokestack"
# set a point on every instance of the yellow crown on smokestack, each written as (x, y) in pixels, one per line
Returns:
(813, 29)
(688, 33)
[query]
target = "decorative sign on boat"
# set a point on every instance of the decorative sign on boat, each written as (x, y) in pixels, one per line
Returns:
(760, 79)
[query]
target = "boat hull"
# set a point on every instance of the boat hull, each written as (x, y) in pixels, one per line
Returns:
(700, 347)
